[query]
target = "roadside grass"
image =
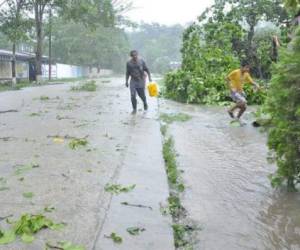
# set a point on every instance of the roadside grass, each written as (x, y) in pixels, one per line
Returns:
(176, 117)
(171, 164)
(20, 85)
(24, 84)
(182, 231)
(89, 86)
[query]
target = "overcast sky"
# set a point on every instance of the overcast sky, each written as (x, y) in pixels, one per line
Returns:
(168, 11)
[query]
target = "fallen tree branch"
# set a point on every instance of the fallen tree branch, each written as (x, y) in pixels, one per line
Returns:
(9, 111)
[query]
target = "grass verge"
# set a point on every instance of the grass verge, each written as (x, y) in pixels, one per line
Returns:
(177, 117)
(182, 231)
(89, 86)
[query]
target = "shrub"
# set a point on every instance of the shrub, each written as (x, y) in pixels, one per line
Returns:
(283, 104)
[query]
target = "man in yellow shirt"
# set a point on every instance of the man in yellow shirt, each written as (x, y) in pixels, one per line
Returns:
(236, 80)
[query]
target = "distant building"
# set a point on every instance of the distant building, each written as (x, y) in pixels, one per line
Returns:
(22, 66)
(25, 68)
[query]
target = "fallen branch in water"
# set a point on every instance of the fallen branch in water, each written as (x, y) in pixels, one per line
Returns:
(9, 111)
(136, 205)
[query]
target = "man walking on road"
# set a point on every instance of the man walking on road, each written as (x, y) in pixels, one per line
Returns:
(236, 80)
(136, 70)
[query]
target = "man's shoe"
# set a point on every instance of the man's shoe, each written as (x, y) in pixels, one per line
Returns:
(133, 112)
(145, 107)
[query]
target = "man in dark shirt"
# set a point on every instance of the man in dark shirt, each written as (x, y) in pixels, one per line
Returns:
(135, 70)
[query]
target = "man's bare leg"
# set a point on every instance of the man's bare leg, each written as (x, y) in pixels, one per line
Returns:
(243, 107)
(231, 110)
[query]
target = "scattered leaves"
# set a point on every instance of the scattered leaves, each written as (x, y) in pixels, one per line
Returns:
(44, 98)
(26, 227)
(64, 245)
(49, 209)
(117, 189)
(76, 143)
(135, 230)
(25, 168)
(116, 238)
(34, 114)
(7, 237)
(28, 195)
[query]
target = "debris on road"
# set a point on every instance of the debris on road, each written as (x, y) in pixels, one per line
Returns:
(117, 189)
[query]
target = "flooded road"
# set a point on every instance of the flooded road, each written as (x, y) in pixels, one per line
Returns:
(67, 184)
(228, 193)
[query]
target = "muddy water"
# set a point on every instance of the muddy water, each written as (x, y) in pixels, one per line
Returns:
(228, 192)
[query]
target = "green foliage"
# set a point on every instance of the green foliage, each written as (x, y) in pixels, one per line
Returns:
(26, 227)
(292, 3)
(180, 235)
(215, 45)
(117, 189)
(171, 165)
(14, 23)
(75, 43)
(283, 105)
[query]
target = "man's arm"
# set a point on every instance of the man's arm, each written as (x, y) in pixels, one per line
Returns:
(250, 80)
(127, 75)
(146, 69)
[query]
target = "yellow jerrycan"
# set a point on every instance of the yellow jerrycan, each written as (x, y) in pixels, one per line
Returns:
(153, 89)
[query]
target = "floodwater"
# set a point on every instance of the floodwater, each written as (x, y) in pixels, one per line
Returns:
(228, 191)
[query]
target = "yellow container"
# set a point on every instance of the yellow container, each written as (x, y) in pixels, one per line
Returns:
(153, 89)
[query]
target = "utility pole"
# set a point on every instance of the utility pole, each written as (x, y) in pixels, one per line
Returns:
(50, 43)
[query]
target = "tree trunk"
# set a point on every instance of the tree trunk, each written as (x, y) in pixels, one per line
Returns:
(291, 184)
(50, 44)
(13, 66)
(39, 34)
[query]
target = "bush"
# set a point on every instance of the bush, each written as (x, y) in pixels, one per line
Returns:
(283, 104)
(184, 87)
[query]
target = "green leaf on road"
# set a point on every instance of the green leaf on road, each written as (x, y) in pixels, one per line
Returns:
(27, 238)
(117, 189)
(76, 143)
(64, 245)
(26, 168)
(49, 209)
(28, 195)
(4, 189)
(7, 237)
(44, 98)
(116, 238)
(135, 230)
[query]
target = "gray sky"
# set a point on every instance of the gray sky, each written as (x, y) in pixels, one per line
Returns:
(168, 11)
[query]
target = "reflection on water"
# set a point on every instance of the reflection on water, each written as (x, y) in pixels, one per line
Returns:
(228, 190)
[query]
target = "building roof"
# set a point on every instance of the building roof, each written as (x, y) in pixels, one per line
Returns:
(6, 55)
